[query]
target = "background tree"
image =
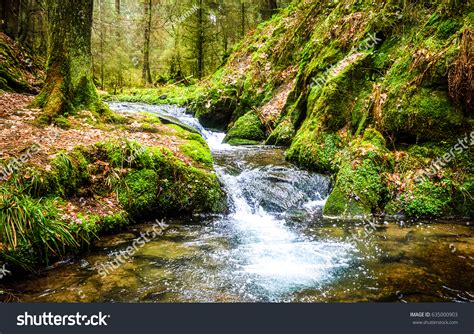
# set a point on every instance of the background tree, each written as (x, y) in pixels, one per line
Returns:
(268, 8)
(148, 15)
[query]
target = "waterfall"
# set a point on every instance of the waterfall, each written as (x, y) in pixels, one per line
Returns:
(268, 258)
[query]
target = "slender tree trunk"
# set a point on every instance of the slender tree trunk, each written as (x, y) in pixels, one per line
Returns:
(200, 42)
(101, 43)
(146, 73)
(242, 18)
(69, 86)
(119, 83)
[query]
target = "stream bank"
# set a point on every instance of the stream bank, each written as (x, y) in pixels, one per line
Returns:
(62, 187)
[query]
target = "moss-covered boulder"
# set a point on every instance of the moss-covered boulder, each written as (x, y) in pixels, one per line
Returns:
(283, 134)
(424, 115)
(432, 180)
(247, 130)
(359, 188)
(214, 110)
(170, 187)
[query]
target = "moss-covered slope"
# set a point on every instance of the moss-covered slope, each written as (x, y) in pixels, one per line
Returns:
(373, 92)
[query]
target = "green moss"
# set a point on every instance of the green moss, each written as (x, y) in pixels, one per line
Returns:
(139, 192)
(114, 222)
(165, 185)
(127, 153)
(247, 128)
(360, 188)
(283, 134)
(427, 115)
(372, 136)
(448, 27)
(115, 118)
(339, 205)
(184, 134)
(62, 122)
(243, 142)
(199, 152)
(316, 153)
(428, 200)
(68, 173)
(172, 94)
(358, 191)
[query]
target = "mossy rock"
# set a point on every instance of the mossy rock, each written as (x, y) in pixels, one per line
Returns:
(428, 200)
(316, 154)
(199, 152)
(160, 183)
(248, 129)
(426, 115)
(339, 205)
(357, 192)
(283, 134)
(243, 142)
(360, 188)
(139, 191)
(214, 110)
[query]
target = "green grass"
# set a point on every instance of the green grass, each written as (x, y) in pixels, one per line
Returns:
(31, 230)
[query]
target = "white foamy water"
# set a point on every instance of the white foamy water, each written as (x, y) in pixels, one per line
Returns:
(271, 259)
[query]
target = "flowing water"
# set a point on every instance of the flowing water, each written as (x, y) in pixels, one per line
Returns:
(272, 246)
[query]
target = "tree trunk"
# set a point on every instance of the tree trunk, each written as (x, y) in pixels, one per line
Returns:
(101, 43)
(69, 86)
(268, 8)
(146, 73)
(242, 18)
(200, 42)
(119, 83)
(10, 17)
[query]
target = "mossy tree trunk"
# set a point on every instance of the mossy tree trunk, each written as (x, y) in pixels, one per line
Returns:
(69, 85)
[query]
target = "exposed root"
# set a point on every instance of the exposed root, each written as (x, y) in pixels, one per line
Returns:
(460, 77)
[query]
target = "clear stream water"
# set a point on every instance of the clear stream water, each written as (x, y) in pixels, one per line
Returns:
(272, 246)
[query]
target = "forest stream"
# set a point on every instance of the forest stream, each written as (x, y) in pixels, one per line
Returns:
(273, 245)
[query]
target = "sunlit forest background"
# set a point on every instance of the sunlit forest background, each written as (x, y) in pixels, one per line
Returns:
(150, 42)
